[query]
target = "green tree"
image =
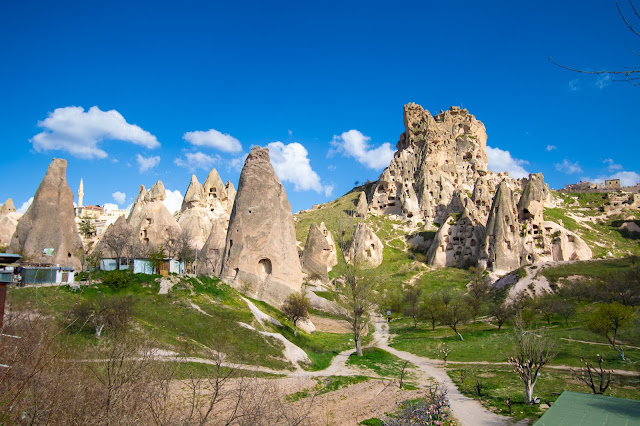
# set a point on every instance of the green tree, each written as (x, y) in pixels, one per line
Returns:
(431, 308)
(500, 313)
(478, 295)
(295, 308)
(156, 258)
(412, 303)
(607, 319)
(455, 313)
(87, 226)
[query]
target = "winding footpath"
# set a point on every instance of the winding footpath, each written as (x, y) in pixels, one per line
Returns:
(466, 410)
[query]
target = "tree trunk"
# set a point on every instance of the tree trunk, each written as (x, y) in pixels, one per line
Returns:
(358, 346)
(433, 323)
(99, 329)
(528, 393)
(295, 329)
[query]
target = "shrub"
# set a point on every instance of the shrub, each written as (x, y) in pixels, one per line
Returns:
(117, 280)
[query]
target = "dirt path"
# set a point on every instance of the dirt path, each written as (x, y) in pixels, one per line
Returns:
(466, 410)
(552, 367)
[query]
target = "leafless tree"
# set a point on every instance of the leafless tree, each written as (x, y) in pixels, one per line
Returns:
(117, 240)
(532, 351)
(358, 291)
(455, 313)
(596, 378)
(627, 74)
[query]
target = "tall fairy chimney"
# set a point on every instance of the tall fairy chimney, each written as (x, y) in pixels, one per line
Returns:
(80, 194)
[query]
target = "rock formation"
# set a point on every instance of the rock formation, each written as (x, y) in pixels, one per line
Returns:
(439, 177)
(319, 255)
(436, 155)
(150, 218)
(365, 246)
(8, 221)
(260, 254)
(49, 223)
(362, 208)
(205, 204)
(210, 257)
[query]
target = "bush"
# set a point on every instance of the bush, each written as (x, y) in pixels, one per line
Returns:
(433, 409)
(117, 280)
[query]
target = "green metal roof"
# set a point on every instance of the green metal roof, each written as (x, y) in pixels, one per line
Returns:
(583, 409)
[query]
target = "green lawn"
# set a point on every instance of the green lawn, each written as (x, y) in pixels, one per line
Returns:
(500, 383)
(379, 361)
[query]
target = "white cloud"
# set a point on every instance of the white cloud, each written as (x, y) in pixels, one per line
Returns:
(23, 208)
(120, 197)
(290, 132)
(213, 139)
(79, 133)
(146, 163)
(237, 163)
(110, 206)
(551, 147)
(173, 201)
(291, 163)
(573, 84)
(611, 165)
(355, 144)
(626, 178)
(197, 160)
(568, 167)
(603, 81)
(502, 161)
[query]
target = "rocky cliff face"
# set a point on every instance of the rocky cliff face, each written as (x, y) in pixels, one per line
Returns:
(50, 222)
(436, 156)
(439, 176)
(150, 218)
(319, 255)
(260, 254)
(8, 221)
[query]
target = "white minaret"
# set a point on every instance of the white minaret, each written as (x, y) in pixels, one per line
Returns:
(80, 194)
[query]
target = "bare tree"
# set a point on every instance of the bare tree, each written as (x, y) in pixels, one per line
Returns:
(357, 293)
(431, 308)
(478, 293)
(589, 372)
(628, 74)
(500, 313)
(117, 240)
(532, 351)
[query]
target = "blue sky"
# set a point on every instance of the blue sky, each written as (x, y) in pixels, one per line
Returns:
(133, 92)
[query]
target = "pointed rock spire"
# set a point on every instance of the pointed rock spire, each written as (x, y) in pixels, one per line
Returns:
(49, 223)
(260, 250)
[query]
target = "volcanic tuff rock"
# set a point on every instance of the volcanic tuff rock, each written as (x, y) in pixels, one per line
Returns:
(362, 208)
(260, 250)
(50, 221)
(365, 246)
(8, 221)
(150, 218)
(203, 205)
(438, 176)
(436, 155)
(210, 257)
(319, 254)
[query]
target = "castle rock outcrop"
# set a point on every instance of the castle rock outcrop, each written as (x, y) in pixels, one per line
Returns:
(319, 255)
(436, 156)
(49, 222)
(260, 254)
